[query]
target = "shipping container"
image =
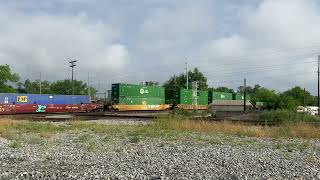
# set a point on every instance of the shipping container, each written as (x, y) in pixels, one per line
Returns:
(12, 98)
(186, 97)
(240, 96)
(219, 96)
(138, 97)
(137, 94)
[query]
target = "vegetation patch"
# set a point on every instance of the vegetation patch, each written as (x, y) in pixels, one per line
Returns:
(286, 116)
(171, 127)
(15, 144)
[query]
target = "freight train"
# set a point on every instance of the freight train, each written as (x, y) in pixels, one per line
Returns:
(45, 103)
(129, 97)
(124, 97)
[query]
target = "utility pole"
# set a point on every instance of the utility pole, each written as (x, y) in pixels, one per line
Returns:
(89, 89)
(40, 84)
(244, 94)
(304, 97)
(194, 94)
(73, 64)
(187, 73)
(318, 84)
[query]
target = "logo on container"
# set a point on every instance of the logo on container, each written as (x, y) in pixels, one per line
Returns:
(143, 91)
(22, 99)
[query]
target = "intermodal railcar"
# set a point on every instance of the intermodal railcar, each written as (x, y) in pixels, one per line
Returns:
(11, 103)
(129, 97)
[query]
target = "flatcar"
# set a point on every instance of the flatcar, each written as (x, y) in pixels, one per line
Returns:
(13, 98)
(132, 97)
(11, 103)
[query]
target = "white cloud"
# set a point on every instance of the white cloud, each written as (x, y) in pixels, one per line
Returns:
(178, 21)
(43, 42)
(266, 41)
(272, 48)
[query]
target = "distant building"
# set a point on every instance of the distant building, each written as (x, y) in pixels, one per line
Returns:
(230, 105)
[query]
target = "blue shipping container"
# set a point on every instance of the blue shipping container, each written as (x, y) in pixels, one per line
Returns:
(11, 98)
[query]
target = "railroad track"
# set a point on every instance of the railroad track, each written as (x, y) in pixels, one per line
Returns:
(84, 116)
(131, 116)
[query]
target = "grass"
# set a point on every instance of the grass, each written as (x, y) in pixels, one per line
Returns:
(170, 127)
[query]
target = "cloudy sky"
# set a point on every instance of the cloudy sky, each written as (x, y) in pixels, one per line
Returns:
(274, 43)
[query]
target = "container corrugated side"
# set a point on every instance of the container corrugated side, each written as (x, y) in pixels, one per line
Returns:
(137, 94)
(132, 90)
(42, 99)
(240, 97)
(221, 96)
(186, 97)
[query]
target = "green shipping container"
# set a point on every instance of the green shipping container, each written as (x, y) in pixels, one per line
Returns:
(132, 94)
(219, 96)
(240, 97)
(185, 96)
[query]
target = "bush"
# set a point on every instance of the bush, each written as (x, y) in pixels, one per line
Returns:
(286, 116)
(182, 112)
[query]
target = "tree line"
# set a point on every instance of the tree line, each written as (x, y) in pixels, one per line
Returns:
(290, 99)
(10, 83)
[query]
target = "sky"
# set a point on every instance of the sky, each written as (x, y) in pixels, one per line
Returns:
(274, 43)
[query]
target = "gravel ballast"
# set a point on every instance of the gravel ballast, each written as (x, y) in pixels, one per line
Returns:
(68, 156)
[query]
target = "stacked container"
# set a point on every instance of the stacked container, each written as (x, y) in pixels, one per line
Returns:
(185, 97)
(131, 94)
(214, 96)
(240, 97)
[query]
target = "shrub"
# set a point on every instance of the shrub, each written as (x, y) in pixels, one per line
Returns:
(286, 116)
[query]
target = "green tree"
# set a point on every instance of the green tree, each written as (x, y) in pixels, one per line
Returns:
(151, 83)
(176, 82)
(6, 76)
(270, 97)
(296, 96)
(65, 87)
(223, 89)
(249, 89)
(33, 87)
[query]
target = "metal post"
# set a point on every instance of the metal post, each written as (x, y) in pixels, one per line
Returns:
(318, 84)
(73, 64)
(244, 95)
(89, 89)
(40, 84)
(187, 73)
(304, 97)
(194, 94)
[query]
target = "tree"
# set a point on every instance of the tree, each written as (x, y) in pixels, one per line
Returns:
(270, 97)
(223, 89)
(7, 76)
(249, 89)
(65, 87)
(295, 97)
(177, 82)
(151, 83)
(33, 87)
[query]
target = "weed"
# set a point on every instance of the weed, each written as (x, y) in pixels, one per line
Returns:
(84, 138)
(35, 140)
(135, 139)
(15, 144)
(92, 146)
